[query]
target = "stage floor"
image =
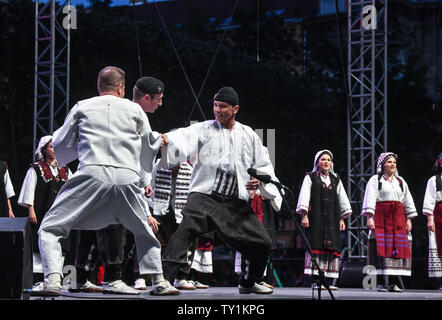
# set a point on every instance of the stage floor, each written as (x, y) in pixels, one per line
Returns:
(231, 294)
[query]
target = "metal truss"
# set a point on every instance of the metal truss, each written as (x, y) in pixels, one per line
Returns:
(367, 110)
(51, 75)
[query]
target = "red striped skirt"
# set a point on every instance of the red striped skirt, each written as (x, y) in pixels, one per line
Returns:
(438, 224)
(391, 235)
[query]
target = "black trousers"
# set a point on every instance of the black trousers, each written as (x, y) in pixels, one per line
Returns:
(233, 219)
(110, 242)
(168, 226)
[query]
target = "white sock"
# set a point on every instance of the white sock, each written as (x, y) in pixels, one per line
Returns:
(54, 275)
(157, 279)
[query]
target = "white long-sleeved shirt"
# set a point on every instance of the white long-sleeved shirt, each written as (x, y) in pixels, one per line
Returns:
(210, 146)
(8, 185)
(390, 191)
(107, 131)
(305, 194)
(431, 197)
(27, 192)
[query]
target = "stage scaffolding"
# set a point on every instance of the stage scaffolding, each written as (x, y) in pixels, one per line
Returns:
(367, 109)
(51, 76)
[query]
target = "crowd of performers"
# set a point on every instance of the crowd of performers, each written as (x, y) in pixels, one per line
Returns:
(170, 209)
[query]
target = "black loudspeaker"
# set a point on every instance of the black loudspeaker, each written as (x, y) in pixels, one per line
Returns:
(351, 273)
(15, 258)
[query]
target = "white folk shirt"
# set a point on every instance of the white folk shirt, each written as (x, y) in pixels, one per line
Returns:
(390, 191)
(431, 196)
(8, 185)
(27, 192)
(107, 131)
(210, 146)
(305, 194)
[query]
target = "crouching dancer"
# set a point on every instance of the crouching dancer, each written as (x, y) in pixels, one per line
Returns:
(112, 139)
(218, 198)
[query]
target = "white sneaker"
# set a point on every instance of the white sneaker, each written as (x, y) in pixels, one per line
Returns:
(52, 285)
(164, 288)
(316, 286)
(199, 285)
(86, 287)
(265, 284)
(184, 285)
(256, 288)
(118, 287)
(38, 286)
(37, 289)
(394, 288)
(140, 284)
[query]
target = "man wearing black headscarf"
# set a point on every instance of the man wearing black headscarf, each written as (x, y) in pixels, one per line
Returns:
(222, 150)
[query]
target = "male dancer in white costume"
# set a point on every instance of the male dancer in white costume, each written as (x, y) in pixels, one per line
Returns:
(113, 141)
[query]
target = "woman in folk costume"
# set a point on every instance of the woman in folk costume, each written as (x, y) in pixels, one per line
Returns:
(42, 182)
(389, 208)
(432, 208)
(202, 265)
(323, 204)
(6, 192)
(171, 189)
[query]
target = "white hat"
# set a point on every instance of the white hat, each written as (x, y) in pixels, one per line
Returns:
(318, 155)
(43, 141)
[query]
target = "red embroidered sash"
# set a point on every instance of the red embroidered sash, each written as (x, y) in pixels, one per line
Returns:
(47, 173)
(391, 235)
(257, 207)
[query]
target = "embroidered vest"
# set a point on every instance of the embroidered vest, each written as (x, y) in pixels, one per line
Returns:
(47, 187)
(324, 216)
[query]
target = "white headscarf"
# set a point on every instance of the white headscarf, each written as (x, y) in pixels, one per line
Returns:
(318, 155)
(38, 152)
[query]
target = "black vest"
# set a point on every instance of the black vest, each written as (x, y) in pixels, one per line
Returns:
(325, 214)
(438, 182)
(4, 210)
(45, 193)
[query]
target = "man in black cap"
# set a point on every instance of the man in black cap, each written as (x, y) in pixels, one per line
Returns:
(111, 241)
(222, 150)
(148, 93)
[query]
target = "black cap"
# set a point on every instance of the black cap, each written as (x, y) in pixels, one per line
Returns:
(227, 95)
(150, 85)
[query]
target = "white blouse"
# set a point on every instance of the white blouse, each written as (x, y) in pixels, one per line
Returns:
(305, 194)
(8, 185)
(27, 192)
(431, 197)
(390, 191)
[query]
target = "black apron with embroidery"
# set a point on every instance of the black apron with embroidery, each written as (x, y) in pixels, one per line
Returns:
(324, 233)
(45, 193)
